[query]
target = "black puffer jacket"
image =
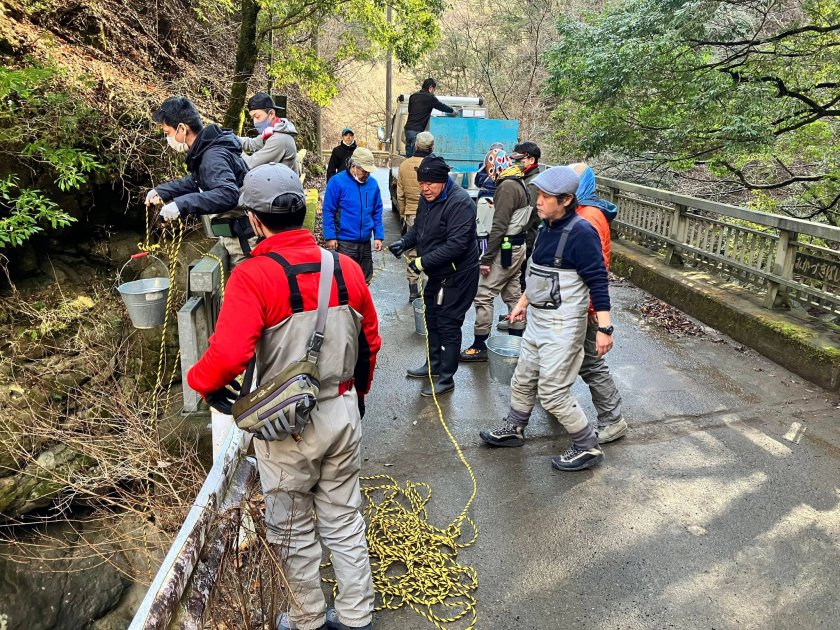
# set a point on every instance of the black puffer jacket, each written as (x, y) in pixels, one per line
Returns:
(216, 174)
(339, 157)
(444, 233)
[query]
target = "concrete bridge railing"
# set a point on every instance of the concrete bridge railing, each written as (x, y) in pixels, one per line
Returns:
(787, 259)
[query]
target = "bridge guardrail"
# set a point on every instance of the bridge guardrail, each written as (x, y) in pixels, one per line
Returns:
(788, 259)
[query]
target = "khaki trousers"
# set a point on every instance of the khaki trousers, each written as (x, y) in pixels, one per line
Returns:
(499, 280)
(596, 374)
(315, 483)
(411, 253)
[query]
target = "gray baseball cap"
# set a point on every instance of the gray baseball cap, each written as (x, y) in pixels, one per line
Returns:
(272, 188)
(557, 180)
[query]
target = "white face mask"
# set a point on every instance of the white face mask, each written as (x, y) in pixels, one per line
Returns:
(178, 147)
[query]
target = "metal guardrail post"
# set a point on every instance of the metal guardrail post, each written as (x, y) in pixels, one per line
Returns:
(192, 338)
(679, 230)
(782, 267)
(197, 318)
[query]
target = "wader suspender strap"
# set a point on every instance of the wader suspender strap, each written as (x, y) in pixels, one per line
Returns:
(561, 246)
(329, 268)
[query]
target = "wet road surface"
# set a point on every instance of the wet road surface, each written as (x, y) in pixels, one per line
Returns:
(719, 509)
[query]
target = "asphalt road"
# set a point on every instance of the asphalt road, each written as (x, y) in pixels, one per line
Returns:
(719, 509)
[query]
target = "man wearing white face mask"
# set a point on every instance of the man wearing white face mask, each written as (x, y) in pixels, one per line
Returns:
(216, 171)
(275, 141)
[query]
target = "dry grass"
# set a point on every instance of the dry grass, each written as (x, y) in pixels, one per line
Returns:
(82, 442)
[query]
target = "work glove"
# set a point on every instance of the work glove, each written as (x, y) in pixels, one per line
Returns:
(150, 196)
(415, 265)
(269, 131)
(222, 399)
(397, 248)
(170, 212)
(361, 406)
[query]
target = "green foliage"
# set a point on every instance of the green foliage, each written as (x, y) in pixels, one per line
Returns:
(70, 165)
(26, 209)
(51, 134)
(361, 32)
(748, 90)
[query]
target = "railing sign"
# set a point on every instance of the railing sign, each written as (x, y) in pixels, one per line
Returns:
(817, 268)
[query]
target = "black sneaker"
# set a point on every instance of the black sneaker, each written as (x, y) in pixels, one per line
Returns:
(578, 459)
(506, 435)
(334, 624)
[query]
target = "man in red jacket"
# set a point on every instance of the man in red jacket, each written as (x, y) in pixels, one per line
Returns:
(269, 309)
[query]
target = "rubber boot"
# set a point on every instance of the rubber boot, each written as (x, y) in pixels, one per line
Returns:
(448, 366)
(434, 354)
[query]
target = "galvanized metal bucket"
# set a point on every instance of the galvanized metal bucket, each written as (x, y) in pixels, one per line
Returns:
(502, 357)
(419, 327)
(145, 299)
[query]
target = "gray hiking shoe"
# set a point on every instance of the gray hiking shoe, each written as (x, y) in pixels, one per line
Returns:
(578, 459)
(611, 432)
(506, 435)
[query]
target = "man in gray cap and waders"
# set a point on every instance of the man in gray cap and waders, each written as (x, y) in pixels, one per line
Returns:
(566, 269)
(310, 478)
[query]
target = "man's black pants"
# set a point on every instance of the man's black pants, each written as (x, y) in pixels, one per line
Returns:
(361, 253)
(444, 322)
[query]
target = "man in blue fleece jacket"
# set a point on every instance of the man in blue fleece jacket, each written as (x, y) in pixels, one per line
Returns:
(352, 211)
(566, 270)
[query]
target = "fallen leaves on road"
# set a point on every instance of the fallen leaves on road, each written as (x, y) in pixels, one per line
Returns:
(671, 319)
(618, 281)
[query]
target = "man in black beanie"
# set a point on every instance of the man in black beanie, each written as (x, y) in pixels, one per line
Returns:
(447, 252)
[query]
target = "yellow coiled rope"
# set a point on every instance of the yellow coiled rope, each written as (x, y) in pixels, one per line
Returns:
(415, 563)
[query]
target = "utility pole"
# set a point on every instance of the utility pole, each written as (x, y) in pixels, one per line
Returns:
(388, 73)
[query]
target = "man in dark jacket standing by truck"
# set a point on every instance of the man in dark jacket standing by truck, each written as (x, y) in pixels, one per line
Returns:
(420, 106)
(216, 169)
(447, 251)
(353, 211)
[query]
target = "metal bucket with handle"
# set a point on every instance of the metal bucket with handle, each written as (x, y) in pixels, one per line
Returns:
(145, 299)
(502, 357)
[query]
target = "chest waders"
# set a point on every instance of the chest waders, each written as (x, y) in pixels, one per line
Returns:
(282, 405)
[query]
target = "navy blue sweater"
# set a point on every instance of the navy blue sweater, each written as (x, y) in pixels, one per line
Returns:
(583, 254)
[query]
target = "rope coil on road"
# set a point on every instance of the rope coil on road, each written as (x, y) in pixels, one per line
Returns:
(415, 563)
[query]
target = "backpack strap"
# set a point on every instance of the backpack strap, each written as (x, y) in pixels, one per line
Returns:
(564, 236)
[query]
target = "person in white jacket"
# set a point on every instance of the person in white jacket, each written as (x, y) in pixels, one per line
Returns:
(276, 139)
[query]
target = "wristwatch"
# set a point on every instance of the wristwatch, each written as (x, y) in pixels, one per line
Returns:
(607, 331)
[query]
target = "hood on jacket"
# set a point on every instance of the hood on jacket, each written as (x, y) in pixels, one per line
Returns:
(212, 136)
(283, 125)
